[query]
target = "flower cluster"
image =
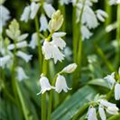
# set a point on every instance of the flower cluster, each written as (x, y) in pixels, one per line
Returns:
(89, 18)
(31, 11)
(114, 83)
(52, 49)
(60, 81)
(103, 107)
(7, 49)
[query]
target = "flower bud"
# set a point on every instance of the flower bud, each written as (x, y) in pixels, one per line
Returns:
(70, 68)
(56, 21)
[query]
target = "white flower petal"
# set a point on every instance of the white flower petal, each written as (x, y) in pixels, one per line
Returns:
(43, 23)
(50, 50)
(34, 41)
(117, 91)
(4, 60)
(59, 42)
(48, 9)
(101, 15)
(21, 74)
(86, 34)
(34, 9)
(45, 85)
(61, 84)
(92, 114)
(102, 113)
(24, 56)
(26, 14)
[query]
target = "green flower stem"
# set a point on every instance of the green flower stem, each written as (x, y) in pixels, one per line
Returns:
(75, 34)
(109, 95)
(108, 10)
(43, 96)
(108, 20)
(50, 105)
(81, 111)
(63, 10)
(24, 107)
(51, 98)
(39, 44)
(118, 37)
(100, 52)
(78, 56)
(80, 40)
(14, 80)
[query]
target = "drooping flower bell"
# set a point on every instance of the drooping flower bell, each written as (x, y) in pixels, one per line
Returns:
(102, 112)
(92, 114)
(44, 84)
(21, 74)
(61, 84)
(50, 50)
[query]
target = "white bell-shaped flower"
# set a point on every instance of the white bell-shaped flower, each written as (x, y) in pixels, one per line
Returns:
(102, 112)
(21, 74)
(106, 103)
(34, 41)
(110, 79)
(88, 17)
(117, 91)
(61, 84)
(50, 50)
(44, 84)
(92, 114)
(4, 60)
(110, 107)
(43, 23)
(49, 10)
(70, 68)
(86, 34)
(26, 14)
(112, 110)
(101, 15)
(58, 41)
(34, 9)
(4, 15)
(24, 56)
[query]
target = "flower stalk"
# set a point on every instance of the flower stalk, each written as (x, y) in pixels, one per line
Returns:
(39, 44)
(118, 37)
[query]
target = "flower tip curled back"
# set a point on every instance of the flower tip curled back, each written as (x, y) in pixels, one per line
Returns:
(70, 68)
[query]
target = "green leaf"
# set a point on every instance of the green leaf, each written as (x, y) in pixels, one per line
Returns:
(71, 106)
